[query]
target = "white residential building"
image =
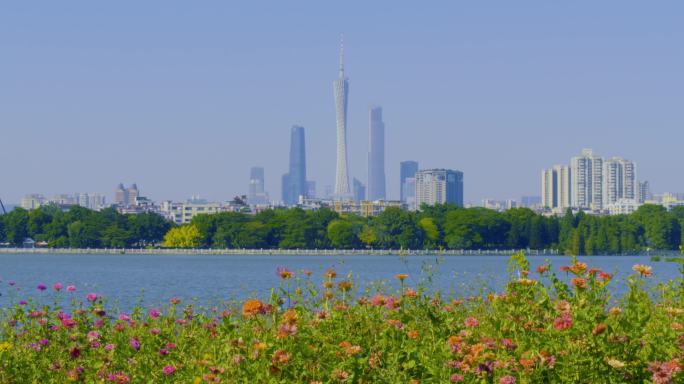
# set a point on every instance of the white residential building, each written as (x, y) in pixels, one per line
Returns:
(557, 188)
(587, 181)
(619, 180)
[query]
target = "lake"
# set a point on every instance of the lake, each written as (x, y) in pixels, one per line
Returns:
(125, 279)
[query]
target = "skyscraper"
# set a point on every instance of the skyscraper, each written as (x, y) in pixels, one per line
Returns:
(341, 92)
(376, 155)
(359, 190)
(120, 195)
(294, 182)
(644, 192)
(439, 186)
(257, 194)
(587, 180)
(132, 195)
(556, 188)
(408, 169)
(619, 177)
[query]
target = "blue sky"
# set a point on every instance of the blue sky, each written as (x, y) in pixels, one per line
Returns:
(183, 97)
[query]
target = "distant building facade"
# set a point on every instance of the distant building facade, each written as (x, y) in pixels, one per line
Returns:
(257, 194)
(125, 197)
(407, 170)
(620, 182)
(439, 186)
(556, 192)
(587, 180)
(376, 156)
(359, 190)
(294, 182)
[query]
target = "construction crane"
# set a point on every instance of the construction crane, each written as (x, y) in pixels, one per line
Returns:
(3, 207)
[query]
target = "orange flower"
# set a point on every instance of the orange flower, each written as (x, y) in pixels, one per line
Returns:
(401, 276)
(599, 329)
(330, 273)
(644, 270)
(542, 268)
(410, 292)
(344, 285)
(253, 307)
(290, 316)
(578, 267)
(413, 334)
(280, 357)
(579, 282)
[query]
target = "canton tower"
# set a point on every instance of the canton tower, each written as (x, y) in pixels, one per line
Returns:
(341, 90)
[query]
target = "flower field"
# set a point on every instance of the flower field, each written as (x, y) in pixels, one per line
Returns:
(550, 325)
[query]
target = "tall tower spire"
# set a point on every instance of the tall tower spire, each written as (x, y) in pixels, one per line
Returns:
(341, 93)
(341, 56)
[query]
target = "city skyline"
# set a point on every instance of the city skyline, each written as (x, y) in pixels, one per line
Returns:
(187, 111)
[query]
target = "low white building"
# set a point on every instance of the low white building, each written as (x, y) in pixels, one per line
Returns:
(623, 207)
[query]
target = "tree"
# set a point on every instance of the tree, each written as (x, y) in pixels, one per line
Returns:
(16, 226)
(148, 228)
(186, 236)
(396, 228)
(429, 228)
(82, 235)
(368, 236)
(341, 234)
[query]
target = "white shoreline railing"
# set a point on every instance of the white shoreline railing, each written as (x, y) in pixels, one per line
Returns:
(286, 252)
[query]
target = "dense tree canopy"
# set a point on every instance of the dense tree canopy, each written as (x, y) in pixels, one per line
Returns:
(432, 227)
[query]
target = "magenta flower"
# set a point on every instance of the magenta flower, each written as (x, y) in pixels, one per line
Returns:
(163, 352)
(154, 313)
(169, 370)
(44, 342)
(57, 287)
(22, 302)
(41, 287)
(109, 347)
(75, 353)
(93, 335)
(11, 283)
(124, 317)
(134, 343)
(155, 331)
(71, 288)
(91, 297)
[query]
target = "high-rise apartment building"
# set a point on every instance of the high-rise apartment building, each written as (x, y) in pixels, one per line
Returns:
(376, 156)
(359, 190)
(587, 180)
(409, 193)
(341, 93)
(439, 186)
(557, 188)
(619, 178)
(311, 189)
(644, 192)
(294, 182)
(132, 195)
(407, 170)
(120, 195)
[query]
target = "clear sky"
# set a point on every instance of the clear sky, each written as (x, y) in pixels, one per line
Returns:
(183, 97)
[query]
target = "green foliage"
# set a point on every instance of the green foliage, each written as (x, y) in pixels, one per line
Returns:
(537, 329)
(187, 236)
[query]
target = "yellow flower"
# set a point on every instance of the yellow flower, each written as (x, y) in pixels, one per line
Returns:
(5, 346)
(615, 363)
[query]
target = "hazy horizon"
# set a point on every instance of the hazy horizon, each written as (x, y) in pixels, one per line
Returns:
(183, 98)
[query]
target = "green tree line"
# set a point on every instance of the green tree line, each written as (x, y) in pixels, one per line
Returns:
(432, 227)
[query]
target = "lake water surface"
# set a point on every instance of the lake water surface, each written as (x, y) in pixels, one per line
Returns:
(213, 278)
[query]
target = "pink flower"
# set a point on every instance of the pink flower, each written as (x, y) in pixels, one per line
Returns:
(109, 347)
(124, 317)
(456, 378)
(71, 288)
(93, 335)
(91, 297)
(134, 343)
(155, 331)
(68, 323)
(154, 313)
(169, 370)
(57, 287)
(563, 322)
(170, 345)
(471, 322)
(507, 380)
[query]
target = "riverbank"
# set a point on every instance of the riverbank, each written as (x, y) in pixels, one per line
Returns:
(279, 252)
